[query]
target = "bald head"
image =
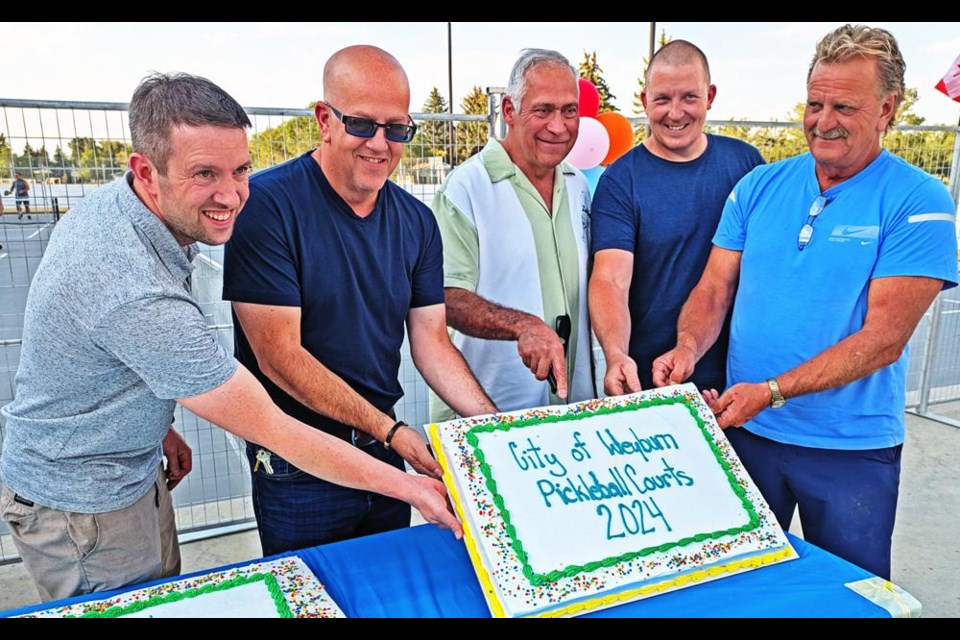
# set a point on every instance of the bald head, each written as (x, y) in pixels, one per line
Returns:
(362, 69)
(676, 53)
(369, 86)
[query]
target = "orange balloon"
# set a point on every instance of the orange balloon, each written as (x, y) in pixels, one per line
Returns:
(621, 134)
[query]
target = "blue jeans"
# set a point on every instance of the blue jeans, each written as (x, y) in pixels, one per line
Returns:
(295, 510)
(847, 498)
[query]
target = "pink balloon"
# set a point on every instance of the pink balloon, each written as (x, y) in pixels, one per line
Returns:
(589, 98)
(591, 146)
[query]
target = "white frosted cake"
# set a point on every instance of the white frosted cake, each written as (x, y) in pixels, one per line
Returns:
(572, 508)
(284, 588)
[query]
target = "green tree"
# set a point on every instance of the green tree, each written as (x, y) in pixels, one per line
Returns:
(60, 159)
(98, 160)
(6, 158)
(284, 141)
(905, 114)
(639, 130)
(591, 70)
(88, 163)
(32, 159)
(471, 136)
(779, 142)
(114, 156)
(61, 165)
(84, 157)
(433, 135)
(932, 151)
(78, 145)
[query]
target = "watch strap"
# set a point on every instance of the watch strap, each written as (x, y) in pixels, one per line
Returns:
(776, 398)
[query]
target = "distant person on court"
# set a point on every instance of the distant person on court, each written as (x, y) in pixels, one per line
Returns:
(21, 192)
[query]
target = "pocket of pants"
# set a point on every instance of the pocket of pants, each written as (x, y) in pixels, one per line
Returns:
(84, 531)
(13, 512)
(886, 455)
(282, 470)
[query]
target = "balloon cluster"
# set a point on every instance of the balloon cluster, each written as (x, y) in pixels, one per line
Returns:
(603, 138)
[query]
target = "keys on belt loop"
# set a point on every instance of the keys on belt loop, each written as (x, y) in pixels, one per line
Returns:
(263, 457)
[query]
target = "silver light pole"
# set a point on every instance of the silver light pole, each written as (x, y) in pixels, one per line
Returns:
(653, 39)
(450, 90)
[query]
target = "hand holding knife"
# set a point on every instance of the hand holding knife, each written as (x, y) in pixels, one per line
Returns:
(563, 327)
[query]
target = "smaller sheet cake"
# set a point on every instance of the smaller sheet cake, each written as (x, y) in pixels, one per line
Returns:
(572, 508)
(284, 588)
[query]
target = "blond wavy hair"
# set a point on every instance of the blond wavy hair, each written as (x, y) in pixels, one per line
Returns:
(851, 41)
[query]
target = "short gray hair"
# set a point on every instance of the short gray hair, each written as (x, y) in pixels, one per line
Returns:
(163, 101)
(528, 59)
(859, 41)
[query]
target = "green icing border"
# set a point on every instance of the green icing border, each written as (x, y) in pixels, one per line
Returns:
(553, 576)
(283, 608)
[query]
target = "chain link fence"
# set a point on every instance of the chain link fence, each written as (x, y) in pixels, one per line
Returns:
(66, 150)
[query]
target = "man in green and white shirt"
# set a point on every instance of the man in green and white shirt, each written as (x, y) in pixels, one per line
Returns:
(515, 220)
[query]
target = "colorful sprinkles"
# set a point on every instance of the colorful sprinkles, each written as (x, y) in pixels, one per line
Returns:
(610, 583)
(296, 593)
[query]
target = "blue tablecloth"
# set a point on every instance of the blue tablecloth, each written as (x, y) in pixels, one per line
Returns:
(424, 572)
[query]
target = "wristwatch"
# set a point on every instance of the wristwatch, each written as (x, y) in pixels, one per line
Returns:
(776, 398)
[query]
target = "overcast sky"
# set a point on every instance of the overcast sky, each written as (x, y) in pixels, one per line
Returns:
(759, 68)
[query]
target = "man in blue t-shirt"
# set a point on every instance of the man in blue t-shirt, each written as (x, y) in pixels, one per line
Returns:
(654, 213)
(830, 260)
(325, 267)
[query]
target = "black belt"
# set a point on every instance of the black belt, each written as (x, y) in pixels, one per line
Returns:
(356, 437)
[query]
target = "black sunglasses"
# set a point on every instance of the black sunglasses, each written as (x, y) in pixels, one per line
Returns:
(364, 128)
(563, 326)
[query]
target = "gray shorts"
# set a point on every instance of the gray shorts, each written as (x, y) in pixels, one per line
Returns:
(69, 554)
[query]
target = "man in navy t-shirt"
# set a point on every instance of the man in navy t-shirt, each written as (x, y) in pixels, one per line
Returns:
(654, 213)
(325, 267)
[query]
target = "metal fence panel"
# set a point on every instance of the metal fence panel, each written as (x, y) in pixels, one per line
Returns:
(67, 150)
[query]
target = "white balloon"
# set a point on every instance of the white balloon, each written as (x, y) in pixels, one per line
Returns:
(591, 146)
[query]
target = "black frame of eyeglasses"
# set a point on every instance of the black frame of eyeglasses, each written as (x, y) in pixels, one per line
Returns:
(410, 128)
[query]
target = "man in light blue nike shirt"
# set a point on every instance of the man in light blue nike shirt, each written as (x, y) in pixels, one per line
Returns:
(830, 260)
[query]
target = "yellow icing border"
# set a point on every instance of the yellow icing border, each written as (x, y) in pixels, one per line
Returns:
(680, 581)
(490, 592)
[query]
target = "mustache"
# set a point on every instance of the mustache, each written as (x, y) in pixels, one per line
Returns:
(830, 134)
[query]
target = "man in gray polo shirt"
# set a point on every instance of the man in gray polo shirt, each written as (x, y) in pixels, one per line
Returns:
(112, 340)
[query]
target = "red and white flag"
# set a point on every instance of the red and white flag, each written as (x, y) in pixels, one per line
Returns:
(950, 84)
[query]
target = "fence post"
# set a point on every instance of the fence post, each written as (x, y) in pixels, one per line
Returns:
(494, 97)
(955, 167)
(929, 353)
(491, 114)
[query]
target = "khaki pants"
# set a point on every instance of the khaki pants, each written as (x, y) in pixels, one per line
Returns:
(69, 554)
